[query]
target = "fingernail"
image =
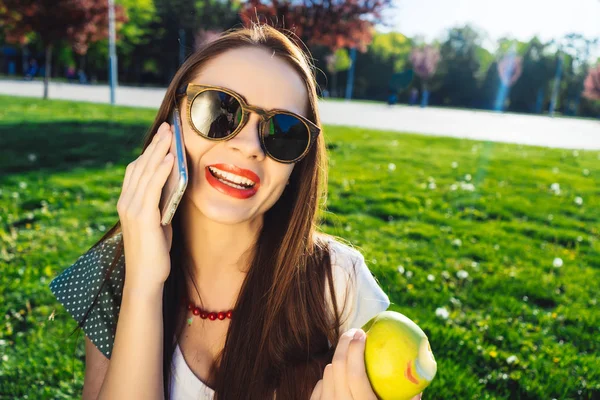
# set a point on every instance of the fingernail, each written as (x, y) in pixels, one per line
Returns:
(352, 331)
(360, 335)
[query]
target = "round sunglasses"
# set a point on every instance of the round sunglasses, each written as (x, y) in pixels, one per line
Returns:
(218, 113)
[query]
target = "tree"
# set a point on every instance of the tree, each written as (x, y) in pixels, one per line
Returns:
(393, 47)
(375, 69)
(336, 62)
(577, 48)
(332, 24)
(136, 32)
(79, 22)
(335, 24)
(142, 27)
(182, 21)
(530, 92)
(488, 91)
(506, 44)
(459, 66)
(217, 15)
(425, 61)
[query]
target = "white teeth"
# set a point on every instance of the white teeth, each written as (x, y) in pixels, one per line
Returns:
(231, 177)
(232, 185)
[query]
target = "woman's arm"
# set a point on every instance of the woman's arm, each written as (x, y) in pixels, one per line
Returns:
(96, 365)
(136, 364)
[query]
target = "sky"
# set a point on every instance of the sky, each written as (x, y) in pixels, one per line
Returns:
(520, 19)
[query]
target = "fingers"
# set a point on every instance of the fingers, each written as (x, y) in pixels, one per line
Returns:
(328, 384)
(358, 381)
(346, 377)
(340, 365)
(317, 391)
(153, 156)
(144, 168)
(153, 189)
(127, 179)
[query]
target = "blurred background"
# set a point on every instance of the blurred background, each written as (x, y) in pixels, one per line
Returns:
(543, 55)
(464, 144)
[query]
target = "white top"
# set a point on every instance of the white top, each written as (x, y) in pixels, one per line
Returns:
(366, 299)
(184, 383)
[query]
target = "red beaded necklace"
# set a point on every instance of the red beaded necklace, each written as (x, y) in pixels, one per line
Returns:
(205, 314)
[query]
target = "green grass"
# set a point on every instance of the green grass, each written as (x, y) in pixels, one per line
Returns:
(477, 238)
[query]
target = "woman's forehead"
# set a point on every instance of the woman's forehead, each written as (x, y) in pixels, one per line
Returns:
(263, 79)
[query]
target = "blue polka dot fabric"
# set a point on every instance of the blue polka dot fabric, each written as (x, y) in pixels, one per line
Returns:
(76, 287)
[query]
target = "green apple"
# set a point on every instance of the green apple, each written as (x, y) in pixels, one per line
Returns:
(398, 358)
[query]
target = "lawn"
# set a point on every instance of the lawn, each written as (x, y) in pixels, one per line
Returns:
(492, 248)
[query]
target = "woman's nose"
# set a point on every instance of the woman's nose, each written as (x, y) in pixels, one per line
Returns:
(247, 141)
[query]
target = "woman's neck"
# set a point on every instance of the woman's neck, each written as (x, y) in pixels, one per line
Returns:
(218, 256)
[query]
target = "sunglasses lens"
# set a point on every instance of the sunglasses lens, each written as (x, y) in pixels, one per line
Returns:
(287, 137)
(215, 114)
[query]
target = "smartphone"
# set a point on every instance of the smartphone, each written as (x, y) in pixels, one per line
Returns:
(172, 191)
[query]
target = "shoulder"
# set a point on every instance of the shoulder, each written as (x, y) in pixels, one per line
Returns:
(93, 265)
(343, 255)
(90, 284)
(358, 292)
(348, 262)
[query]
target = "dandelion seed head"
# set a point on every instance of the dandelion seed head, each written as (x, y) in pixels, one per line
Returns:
(512, 359)
(442, 313)
(558, 262)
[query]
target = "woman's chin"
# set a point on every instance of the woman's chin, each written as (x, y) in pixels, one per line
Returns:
(219, 210)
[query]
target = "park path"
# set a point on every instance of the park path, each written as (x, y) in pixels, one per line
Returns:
(569, 133)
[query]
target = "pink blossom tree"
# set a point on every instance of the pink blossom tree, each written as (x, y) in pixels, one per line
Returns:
(78, 22)
(425, 61)
(591, 85)
(510, 67)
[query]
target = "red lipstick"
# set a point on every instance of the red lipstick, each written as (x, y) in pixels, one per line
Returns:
(228, 189)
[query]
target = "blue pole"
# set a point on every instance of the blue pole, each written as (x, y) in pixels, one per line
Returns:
(501, 97)
(351, 74)
(424, 96)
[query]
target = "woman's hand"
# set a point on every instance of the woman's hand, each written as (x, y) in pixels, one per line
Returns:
(346, 377)
(147, 242)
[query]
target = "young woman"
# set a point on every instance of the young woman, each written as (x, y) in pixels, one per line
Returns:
(239, 297)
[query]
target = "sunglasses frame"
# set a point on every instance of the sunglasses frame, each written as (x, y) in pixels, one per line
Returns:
(193, 90)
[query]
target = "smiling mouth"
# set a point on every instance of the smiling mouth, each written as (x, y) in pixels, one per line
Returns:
(223, 179)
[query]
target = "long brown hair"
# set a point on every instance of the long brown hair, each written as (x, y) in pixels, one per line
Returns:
(279, 337)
